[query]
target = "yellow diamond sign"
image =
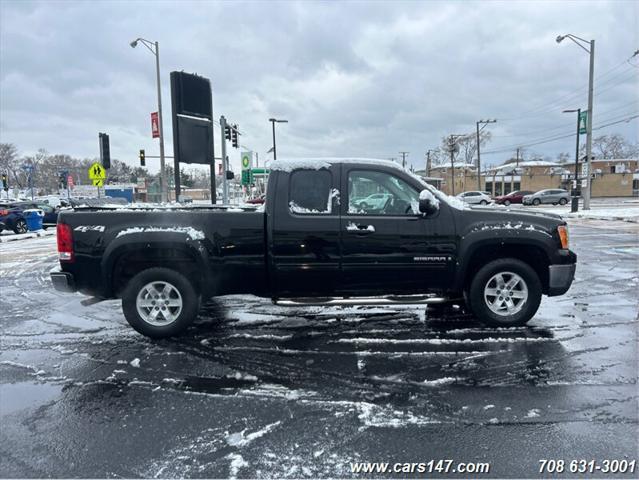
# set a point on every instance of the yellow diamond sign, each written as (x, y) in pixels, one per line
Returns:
(97, 171)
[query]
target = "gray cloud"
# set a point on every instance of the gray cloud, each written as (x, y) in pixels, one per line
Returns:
(352, 78)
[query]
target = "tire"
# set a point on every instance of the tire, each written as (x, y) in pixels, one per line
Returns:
(536, 202)
(21, 226)
(483, 202)
(563, 201)
(485, 300)
(363, 205)
(506, 202)
(146, 289)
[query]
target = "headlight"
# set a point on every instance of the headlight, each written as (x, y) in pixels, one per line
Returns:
(562, 230)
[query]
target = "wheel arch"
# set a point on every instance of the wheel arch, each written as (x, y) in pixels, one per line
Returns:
(531, 251)
(125, 258)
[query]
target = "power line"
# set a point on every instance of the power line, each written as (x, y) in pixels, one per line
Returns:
(542, 108)
(554, 138)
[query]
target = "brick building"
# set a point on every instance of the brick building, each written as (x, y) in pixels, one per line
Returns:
(610, 178)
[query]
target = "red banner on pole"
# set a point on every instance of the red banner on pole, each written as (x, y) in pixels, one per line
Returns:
(155, 125)
(70, 181)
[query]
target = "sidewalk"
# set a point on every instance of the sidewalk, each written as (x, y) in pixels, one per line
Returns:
(8, 236)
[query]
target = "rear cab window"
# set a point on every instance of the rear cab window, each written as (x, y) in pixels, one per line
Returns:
(311, 193)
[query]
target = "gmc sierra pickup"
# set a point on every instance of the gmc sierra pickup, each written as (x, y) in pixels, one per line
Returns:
(317, 242)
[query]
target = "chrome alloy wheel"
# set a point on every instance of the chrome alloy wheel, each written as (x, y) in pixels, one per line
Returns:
(505, 293)
(159, 303)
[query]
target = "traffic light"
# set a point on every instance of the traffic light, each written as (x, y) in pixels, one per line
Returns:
(227, 132)
(142, 158)
(105, 152)
(5, 182)
(234, 135)
(63, 180)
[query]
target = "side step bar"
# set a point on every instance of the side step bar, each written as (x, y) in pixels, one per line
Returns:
(385, 300)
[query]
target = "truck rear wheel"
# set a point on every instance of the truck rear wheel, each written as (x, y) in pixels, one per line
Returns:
(160, 302)
(505, 293)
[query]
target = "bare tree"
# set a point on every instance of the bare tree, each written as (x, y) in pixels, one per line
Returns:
(466, 146)
(606, 147)
(10, 163)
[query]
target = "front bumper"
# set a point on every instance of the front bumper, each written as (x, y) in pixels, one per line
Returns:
(62, 281)
(560, 278)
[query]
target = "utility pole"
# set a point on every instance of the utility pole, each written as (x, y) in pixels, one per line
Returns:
(404, 158)
(428, 163)
(225, 187)
(589, 122)
(452, 141)
(580, 42)
(484, 122)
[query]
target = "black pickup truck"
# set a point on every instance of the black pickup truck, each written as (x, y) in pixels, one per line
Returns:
(332, 232)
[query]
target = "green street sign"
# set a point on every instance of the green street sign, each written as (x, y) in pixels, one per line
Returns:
(247, 177)
(583, 122)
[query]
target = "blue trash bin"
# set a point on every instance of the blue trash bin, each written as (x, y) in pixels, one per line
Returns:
(34, 218)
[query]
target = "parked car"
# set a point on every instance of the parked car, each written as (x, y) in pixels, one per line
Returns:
(551, 196)
(513, 197)
(50, 218)
(475, 198)
(12, 218)
(376, 201)
(257, 200)
(308, 248)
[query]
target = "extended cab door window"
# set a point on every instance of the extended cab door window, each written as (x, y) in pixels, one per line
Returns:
(380, 193)
(310, 192)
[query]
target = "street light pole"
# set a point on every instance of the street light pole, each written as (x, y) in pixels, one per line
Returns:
(586, 168)
(154, 48)
(273, 122)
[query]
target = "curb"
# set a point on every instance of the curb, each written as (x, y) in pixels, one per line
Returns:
(24, 236)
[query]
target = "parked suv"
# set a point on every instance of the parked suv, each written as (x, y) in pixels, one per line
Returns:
(513, 197)
(475, 198)
(554, 196)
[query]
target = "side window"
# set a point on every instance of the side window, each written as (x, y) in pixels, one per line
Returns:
(310, 192)
(380, 193)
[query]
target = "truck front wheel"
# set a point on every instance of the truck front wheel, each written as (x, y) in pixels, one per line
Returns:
(160, 302)
(505, 293)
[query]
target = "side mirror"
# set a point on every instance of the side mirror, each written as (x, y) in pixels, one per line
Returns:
(428, 204)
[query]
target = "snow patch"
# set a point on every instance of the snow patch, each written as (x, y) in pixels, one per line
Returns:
(239, 439)
(135, 363)
(237, 462)
(533, 413)
(190, 232)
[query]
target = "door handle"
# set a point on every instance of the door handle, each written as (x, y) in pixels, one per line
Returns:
(360, 229)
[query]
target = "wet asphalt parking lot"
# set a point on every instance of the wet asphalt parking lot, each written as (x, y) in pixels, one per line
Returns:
(255, 390)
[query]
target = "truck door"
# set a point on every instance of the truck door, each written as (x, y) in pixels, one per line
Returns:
(304, 233)
(389, 248)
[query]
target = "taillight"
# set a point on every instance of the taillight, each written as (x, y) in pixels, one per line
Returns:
(65, 243)
(4, 212)
(563, 235)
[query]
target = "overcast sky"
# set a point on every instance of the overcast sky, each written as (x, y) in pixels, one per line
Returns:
(352, 78)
